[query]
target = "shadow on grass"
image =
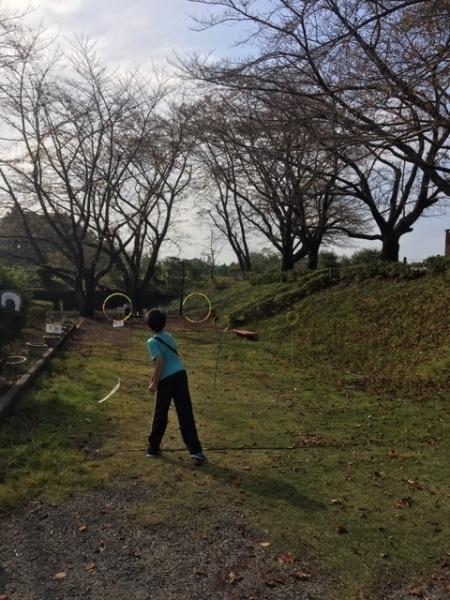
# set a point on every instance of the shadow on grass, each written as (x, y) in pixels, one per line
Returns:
(267, 488)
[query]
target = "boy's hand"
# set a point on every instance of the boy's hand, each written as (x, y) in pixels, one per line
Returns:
(152, 386)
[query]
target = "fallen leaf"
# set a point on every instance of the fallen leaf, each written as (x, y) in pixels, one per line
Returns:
(393, 454)
(236, 482)
(417, 592)
(264, 544)
(60, 576)
(286, 559)
(82, 528)
(302, 576)
(233, 578)
(89, 567)
(341, 530)
(199, 573)
(403, 503)
(3, 597)
(415, 484)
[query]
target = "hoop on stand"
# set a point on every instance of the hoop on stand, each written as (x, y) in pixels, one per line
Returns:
(120, 310)
(206, 311)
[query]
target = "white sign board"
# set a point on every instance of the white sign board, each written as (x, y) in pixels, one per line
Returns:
(53, 328)
(118, 323)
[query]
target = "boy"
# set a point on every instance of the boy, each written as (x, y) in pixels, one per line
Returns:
(169, 381)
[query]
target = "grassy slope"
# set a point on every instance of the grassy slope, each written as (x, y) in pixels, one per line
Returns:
(359, 390)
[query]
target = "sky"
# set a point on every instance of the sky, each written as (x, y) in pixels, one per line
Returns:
(144, 32)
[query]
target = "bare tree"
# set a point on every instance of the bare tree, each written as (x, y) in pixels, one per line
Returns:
(396, 194)
(219, 181)
(380, 69)
(156, 179)
(267, 159)
(71, 156)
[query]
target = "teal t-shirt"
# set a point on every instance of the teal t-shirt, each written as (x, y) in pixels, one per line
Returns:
(172, 364)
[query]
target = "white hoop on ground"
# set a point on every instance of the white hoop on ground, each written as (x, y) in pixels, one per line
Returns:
(111, 393)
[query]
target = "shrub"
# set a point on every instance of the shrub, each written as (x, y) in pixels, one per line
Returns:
(327, 260)
(273, 275)
(11, 322)
(437, 264)
(273, 304)
(366, 256)
(221, 283)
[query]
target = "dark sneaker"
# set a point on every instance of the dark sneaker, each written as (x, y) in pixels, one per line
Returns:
(199, 458)
(153, 453)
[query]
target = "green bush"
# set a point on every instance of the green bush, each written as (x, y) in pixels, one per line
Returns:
(380, 269)
(221, 283)
(273, 275)
(366, 256)
(39, 309)
(11, 322)
(437, 264)
(273, 304)
(314, 281)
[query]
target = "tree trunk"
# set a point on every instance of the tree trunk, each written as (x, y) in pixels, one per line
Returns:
(244, 261)
(247, 264)
(287, 261)
(86, 295)
(313, 258)
(391, 247)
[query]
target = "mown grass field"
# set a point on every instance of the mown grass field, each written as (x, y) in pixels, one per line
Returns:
(336, 429)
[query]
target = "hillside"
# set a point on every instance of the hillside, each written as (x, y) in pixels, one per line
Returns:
(387, 336)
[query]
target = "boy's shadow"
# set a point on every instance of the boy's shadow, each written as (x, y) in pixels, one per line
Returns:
(272, 490)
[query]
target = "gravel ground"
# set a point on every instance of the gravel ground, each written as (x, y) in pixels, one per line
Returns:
(88, 547)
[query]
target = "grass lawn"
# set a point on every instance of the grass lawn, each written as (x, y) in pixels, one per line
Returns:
(348, 474)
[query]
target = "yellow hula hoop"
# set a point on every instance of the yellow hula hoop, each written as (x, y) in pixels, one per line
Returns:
(291, 317)
(112, 296)
(209, 308)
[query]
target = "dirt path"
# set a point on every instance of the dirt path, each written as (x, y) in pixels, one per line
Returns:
(101, 553)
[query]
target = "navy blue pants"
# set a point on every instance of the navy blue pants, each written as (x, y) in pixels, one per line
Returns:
(174, 387)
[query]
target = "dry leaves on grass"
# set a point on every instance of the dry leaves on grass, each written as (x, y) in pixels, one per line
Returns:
(233, 578)
(416, 592)
(286, 559)
(415, 484)
(264, 544)
(302, 576)
(60, 576)
(90, 567)
(404, 503)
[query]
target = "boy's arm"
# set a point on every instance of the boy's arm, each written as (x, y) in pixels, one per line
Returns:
(159, 365)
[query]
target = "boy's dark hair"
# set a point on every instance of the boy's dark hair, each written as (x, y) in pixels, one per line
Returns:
(156, 319)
